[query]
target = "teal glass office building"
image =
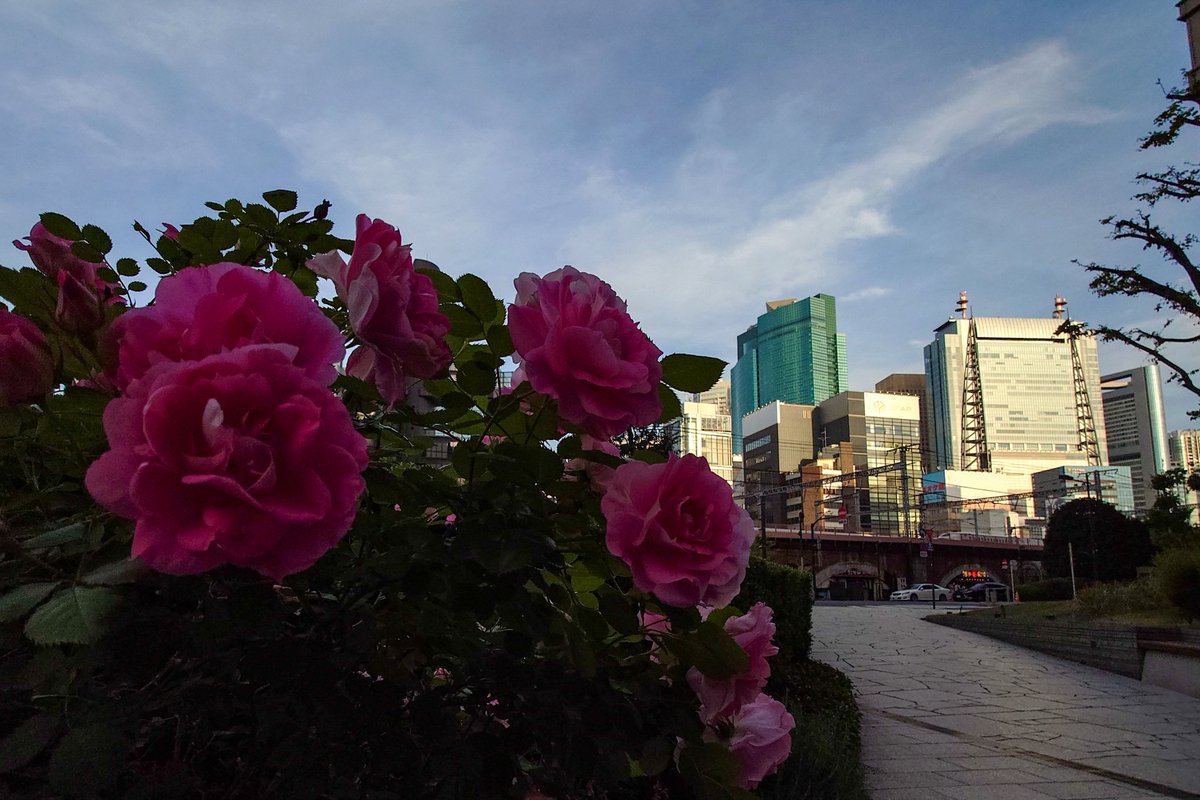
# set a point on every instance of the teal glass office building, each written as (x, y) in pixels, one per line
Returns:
(793, 353)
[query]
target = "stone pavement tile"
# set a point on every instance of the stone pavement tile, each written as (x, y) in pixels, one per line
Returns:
(1047, 771)
(907, 764)
(1179, 774)
(1089, 790)
(991, 762)
(1088, 732)
(943, 750)
(883, 701)
(998, 792)
(983, 777)
(905, 780)
(967, 723)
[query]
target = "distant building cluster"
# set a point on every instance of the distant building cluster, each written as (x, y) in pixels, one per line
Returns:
(1011, 418)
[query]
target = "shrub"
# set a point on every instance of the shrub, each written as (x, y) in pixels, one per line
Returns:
(1111, 599)
(1098, 533)
(788, 591)
(1050, 589)
(826, 742)
(1177, 573)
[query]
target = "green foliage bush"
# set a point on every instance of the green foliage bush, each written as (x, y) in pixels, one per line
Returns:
(788, 591)
(1111, 599)
(1095, 530)
(1177, 573)
(1050, 589)
(826, 743)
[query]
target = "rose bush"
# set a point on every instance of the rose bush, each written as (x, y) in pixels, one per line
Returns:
(577, 344)
(393, 309)
(237, 458)
(201, 311)
(678, 528)
(234, 565)
(82, 293)
(26, 372)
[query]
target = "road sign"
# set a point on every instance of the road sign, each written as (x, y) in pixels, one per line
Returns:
(842, 512)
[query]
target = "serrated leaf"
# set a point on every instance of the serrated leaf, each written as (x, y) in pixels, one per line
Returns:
(446, 286)
(500, 340)
(159, 265)
(689, 373)
(60, 225)
(671, 408)
(281, 199)
(462, 322)
(68, 534)
(477, 297)
(108, 274)
(20, 601)
(127, 570)
(137, 286)
(75, 615)
(85, 251)
(127, 267)
(97, 238)
(87, 759)
(27, 741)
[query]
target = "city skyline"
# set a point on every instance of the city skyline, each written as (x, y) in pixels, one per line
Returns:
(888, 154)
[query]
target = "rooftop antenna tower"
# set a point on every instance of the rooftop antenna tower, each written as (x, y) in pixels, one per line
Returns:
(975, 454)
(1085, 420)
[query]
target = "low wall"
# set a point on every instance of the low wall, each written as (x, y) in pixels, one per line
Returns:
(1167, 657)
(1105, 646)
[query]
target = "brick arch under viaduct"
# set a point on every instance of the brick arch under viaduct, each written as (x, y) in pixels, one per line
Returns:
(862, 567)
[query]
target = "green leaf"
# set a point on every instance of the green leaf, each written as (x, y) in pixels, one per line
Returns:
(60, 226)
(500, 340)
(446, 286)
(671, 408)
(476, 379)
(108, 274)
(128, 267)
(76, 615)
(127, 570)
(689, 373)
(87, 759)
(97, 238)
(711, 770)
(20, 601)
(281, 199)
(68, 534)
(137, 286)
(87, 252)
(656, 755)
(619, 614)
(719, 655)
(27, 741)
(462, 322)
(159, 265)
(478, 297)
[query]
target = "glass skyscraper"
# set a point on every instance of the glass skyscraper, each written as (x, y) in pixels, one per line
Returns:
(793, 353)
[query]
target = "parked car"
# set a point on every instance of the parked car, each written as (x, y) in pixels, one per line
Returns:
(979, 592)
(922, 591)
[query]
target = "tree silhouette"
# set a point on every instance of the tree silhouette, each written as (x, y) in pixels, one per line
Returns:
(1107, 544)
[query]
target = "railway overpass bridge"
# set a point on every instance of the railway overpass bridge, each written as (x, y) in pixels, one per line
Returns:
(863, 566)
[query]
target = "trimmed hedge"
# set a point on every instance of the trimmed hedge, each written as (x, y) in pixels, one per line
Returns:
(789, 593)
(1177, 574)
(826, 760)
(1052, 589)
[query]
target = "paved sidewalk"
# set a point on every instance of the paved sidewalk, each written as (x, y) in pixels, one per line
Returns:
(953, 714)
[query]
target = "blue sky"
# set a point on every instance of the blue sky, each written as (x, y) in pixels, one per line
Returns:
(701, 157)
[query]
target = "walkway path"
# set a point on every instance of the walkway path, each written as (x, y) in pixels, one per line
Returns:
(952, 714)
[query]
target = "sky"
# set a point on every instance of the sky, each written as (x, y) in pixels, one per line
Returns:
(701, 157)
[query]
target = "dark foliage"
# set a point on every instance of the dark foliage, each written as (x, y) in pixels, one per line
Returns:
(1108, 545)
(789, 592)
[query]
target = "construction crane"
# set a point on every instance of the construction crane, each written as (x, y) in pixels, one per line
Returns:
(975, 454)
(1085, 420)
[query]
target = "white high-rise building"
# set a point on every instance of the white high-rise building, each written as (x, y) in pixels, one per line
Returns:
(1184, 447)
(706, 429)
(1028, 390)
(1133, 422)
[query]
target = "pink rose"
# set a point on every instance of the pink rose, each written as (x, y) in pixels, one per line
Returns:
(170, 231)
(675, 524)
(761, 739)
(201, 311)
(598, 474)
(238, 458)
(578, 345)
(26, 368)
(393, 310)
(753, 632)
(82, 294)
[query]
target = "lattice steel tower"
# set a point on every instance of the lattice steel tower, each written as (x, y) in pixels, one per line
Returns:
(974, 422)
(1085, 420)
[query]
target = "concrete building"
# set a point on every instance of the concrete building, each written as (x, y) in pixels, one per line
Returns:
(1025, 374)
(706, 430)
(778, 439)
(718, 394)
(958, 501)
(1135, 427)
(793, 354)
(1184, 449)
(1113, 485)
(911, 383)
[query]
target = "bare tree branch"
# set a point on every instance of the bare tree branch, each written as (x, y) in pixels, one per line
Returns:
(1182, 376)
